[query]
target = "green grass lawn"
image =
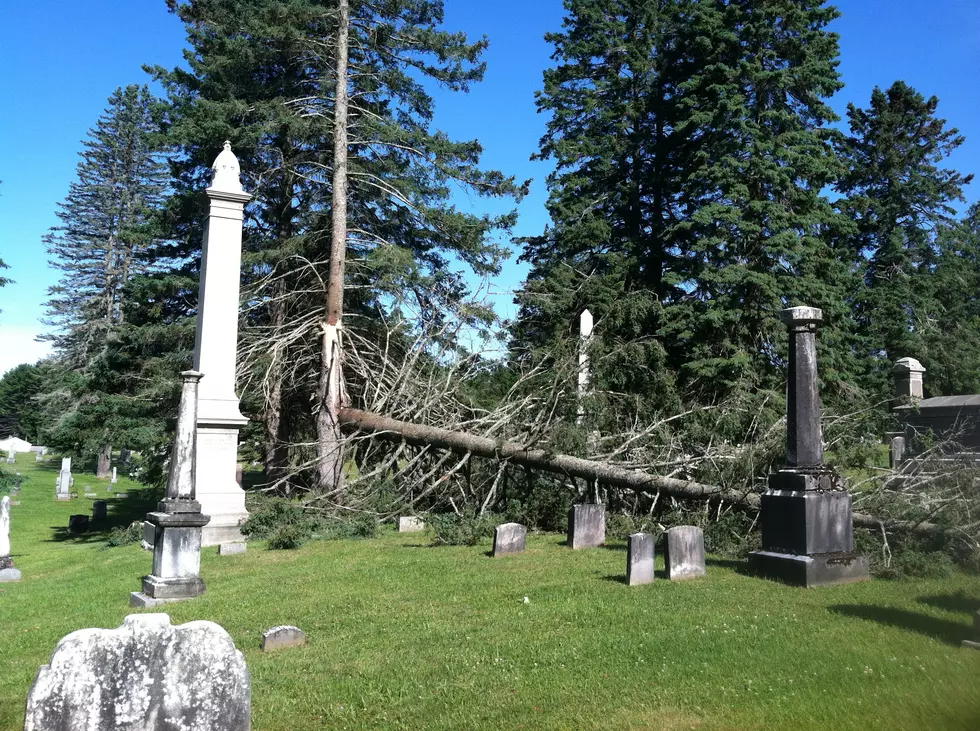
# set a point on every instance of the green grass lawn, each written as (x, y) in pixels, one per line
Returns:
(403, 636)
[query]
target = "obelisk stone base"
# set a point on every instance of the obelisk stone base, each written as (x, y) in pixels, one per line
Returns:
(176, 555)
(217, 491)
(829, 569)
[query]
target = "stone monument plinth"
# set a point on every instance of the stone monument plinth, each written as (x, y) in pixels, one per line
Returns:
(178, 520)
(807, 529)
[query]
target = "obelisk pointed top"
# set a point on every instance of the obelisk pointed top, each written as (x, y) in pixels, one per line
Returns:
(585, 323)
(226, 172)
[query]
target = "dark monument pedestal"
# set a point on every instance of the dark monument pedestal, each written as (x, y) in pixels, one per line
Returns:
(828, 569)
(807, 531)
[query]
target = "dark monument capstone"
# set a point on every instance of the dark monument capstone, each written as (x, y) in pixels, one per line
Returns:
(807, 529)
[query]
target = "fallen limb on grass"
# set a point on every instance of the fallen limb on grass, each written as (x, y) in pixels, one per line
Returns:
(607, 474)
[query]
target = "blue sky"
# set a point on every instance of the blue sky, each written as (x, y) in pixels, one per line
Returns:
(61, 60)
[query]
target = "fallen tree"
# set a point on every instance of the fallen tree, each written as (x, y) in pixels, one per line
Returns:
(576, 467)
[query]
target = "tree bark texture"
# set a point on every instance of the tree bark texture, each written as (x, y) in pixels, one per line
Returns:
(461, 443)
(330, 388)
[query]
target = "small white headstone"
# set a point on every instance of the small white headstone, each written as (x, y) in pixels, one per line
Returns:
(145, 675)
(113, 480)
(411, 525)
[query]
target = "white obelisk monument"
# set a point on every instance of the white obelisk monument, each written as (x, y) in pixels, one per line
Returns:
(215, 355)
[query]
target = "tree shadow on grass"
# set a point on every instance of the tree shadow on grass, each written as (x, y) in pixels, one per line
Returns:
(951, 633)
(958, 602)
(120, 512)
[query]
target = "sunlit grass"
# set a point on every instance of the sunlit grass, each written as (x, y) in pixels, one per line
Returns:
(403, 636)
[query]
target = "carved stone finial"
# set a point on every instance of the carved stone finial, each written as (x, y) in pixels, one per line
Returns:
(227, 172)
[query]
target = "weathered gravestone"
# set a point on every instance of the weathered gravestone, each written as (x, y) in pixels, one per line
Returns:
(639, 559)
(115, 478)
(11, 456)
(177, 521)
(411, 525)
(147, 675)
(99, 510)
(231, 549)
(281, 637)
(65, 480)
(807, 529)
(684, 552)
(7, 571)
(77, 523)
(586, 526)
(508, 539)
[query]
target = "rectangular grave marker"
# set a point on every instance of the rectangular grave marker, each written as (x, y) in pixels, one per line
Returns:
(639, 559)
(684, 555)
(586, 526)
(509, 539)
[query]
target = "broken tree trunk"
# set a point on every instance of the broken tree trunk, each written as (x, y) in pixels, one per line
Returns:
(330, 389)
(564, 464)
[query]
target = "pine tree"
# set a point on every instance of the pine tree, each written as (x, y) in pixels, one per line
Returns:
(755, 216)
(899, 199)
(262, 74)
(106, 221)
(950, 327)
(20, 388)
(616, 113)
(691, 147)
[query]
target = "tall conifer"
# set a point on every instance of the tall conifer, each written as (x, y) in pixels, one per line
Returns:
(106, 223)
(900, 199)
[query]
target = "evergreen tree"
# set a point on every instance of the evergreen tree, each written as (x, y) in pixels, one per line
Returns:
(950, 327)
(262, 74)
(755, 218)
(615, 134)
(691, 150)
(899, 199)
(20, 388)
(106, 222)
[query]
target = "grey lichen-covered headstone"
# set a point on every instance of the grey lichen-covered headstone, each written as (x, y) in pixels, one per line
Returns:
(639, 559)
(7, 571)
(684, 555)
(99, 508)
(411, 525)
(281, 637)
(508, 539)
(147, 675)
(231, 549)
(77, 523)
(586, 526)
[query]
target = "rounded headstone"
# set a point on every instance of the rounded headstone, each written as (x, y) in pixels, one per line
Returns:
(147, 674)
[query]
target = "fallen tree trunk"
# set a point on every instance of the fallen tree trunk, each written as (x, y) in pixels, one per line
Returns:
(564, 464)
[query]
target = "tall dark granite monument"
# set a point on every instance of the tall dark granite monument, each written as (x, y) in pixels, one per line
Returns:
(807, 530)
